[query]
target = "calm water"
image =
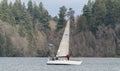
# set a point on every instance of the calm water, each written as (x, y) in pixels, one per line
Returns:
(39, 64)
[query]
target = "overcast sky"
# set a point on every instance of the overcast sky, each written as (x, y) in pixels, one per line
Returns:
(53, 5)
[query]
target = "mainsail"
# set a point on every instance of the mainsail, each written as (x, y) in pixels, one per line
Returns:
(64, 44)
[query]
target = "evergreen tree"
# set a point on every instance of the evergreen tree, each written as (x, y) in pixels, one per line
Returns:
(0, 10)
(30, 7)
(1, 44)
(99, 12)
(11, 16)
(17, 11)
(4, 12)
(44, 16)
(113, 9)
(98, 15)
(87, 12)
(23, 7)
(36, 12)
(61, 20)
(55, 18)
(71, 15)
(81, 23)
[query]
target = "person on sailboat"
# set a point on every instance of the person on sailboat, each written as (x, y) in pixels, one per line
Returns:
(54, 58)
(68, 57)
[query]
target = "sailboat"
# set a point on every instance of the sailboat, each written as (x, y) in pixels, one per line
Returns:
(63, 50)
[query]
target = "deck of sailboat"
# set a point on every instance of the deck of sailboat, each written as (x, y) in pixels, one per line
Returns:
(63, 62)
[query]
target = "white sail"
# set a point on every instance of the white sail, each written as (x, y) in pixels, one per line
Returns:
(64, 44)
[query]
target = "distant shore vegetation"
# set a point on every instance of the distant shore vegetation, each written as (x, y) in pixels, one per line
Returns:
(27, 31)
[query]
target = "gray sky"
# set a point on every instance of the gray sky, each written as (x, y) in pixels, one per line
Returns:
(53, 5)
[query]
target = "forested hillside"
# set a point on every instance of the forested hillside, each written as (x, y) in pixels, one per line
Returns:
(98, 29)
(23, 31)
(27, 31)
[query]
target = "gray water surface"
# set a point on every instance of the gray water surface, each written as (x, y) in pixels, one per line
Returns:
(39, 64)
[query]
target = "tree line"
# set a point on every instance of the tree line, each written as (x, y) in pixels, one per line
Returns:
(25, 18)
(97, 16)
(102, 19)
(100, 12)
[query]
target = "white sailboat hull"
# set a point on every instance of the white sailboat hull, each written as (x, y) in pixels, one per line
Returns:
(63, 62)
